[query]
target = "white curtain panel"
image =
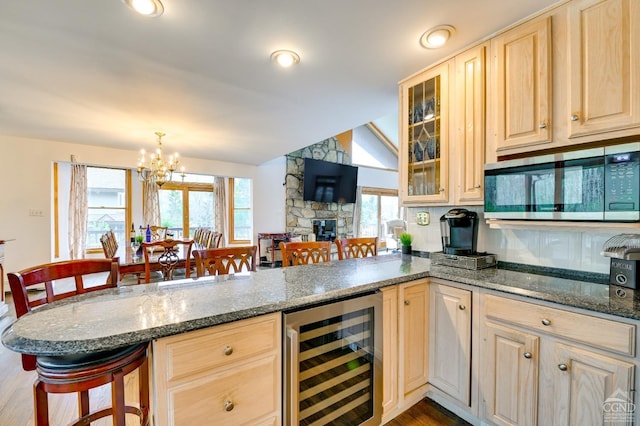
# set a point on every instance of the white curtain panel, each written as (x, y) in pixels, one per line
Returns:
(150, 204)
(220, 203)
(78, 212)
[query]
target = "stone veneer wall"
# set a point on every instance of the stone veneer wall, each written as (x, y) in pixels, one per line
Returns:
(301, 214)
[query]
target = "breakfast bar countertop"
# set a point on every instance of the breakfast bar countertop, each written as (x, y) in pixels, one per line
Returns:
(112, 318)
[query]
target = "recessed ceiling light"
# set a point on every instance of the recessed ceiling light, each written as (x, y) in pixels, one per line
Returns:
(285, 58)
(436, 37)
(152, 8)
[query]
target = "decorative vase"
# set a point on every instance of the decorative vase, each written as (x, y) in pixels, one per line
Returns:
(406, 249)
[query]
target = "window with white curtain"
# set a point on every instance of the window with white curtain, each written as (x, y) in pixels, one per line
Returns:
(107, 205)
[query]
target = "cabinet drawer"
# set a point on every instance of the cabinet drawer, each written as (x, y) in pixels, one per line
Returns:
(598, 332)
(241, 395)
(203, 350)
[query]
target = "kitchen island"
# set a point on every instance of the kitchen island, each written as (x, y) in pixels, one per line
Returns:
(132, 314)
(579, 318)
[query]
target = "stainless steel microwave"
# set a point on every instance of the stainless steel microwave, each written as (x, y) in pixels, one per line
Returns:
(598, 184)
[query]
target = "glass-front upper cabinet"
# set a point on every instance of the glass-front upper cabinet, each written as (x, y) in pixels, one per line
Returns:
(424, 131)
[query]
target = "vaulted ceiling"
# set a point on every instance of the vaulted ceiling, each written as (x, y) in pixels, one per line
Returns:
(93, 72)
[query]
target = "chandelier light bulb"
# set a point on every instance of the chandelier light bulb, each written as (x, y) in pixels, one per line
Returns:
(159, 170)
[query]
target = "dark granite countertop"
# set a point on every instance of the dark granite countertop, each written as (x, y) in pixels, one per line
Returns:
(131, 314)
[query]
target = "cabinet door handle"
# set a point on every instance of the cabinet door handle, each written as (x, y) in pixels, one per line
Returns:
(563, 367)
(527, 355)
(575, 117)
(407, 303)
(228, 350)
(542, 125)
(441, 189)
(546, 322)
(462, 307)
(477, 186)
(228, 406)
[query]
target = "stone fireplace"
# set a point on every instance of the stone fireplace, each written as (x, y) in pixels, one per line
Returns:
(302, 214)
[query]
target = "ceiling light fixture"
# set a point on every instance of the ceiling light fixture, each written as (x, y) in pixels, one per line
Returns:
(436, 37)
(285, 58)
(152, 8)
(159, 170)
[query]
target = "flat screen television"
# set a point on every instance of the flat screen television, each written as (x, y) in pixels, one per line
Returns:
(327, 182)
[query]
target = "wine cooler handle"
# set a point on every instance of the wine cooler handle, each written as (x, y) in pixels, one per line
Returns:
(292, 335)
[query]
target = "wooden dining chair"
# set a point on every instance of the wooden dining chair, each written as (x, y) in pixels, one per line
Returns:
(83, 371)
(159, 233)
(305, 252)
(109, 244)
(168, 255)
(349, 248)
(215, 240)
(226, 260)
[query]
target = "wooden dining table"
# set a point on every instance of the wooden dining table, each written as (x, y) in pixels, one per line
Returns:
(129, 263)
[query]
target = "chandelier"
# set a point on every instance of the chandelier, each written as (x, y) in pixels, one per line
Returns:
(159, 170)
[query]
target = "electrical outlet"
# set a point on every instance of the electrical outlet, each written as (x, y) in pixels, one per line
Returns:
(422, 218)
(36, 212)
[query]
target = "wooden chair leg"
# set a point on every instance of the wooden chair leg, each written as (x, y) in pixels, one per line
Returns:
(40, 404)
(143, 386)
(83, 403)
(117, 399)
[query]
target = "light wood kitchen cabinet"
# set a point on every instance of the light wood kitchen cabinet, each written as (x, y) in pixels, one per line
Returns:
(450, 340)
(230, 373)
(552, 366)
(510, 375)
(414, 328)
(424, 136)
(522, 83)
(583, 382)
(469, 118)
(603, 66)
(389, 349)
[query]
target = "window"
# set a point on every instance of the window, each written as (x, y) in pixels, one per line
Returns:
(187, 205)
(108, 192)
(240, 211)
(378, 207)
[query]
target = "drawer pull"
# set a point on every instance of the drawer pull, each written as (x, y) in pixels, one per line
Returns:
(228, 350)
(542, 126)
(562, 367)
(407, 303)
(462, 307)
(228, 406)
(527, 355)
(546, 322)
(575, 117)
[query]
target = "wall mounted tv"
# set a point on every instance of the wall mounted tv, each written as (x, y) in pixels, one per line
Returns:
(327, 182)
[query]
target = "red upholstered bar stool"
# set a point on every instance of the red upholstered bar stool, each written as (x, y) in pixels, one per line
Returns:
(83, 371)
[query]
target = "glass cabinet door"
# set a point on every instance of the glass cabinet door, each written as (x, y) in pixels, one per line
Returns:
(424, 136)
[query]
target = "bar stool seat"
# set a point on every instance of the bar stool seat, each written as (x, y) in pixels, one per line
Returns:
(81, 372)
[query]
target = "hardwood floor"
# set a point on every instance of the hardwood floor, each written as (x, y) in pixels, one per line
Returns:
(16, 397)
(427, 413)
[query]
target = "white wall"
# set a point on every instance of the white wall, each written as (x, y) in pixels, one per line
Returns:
(546, 246)
(28, 184)
(377, 178)
(269, 194)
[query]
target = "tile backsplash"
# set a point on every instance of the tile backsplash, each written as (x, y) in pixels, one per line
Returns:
(539, 246)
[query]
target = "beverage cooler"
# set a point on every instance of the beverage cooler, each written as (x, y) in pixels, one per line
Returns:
(333, 363)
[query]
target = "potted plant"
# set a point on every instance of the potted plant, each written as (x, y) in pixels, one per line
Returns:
(405, 240)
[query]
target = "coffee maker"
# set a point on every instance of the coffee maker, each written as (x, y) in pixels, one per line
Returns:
(459, 229)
